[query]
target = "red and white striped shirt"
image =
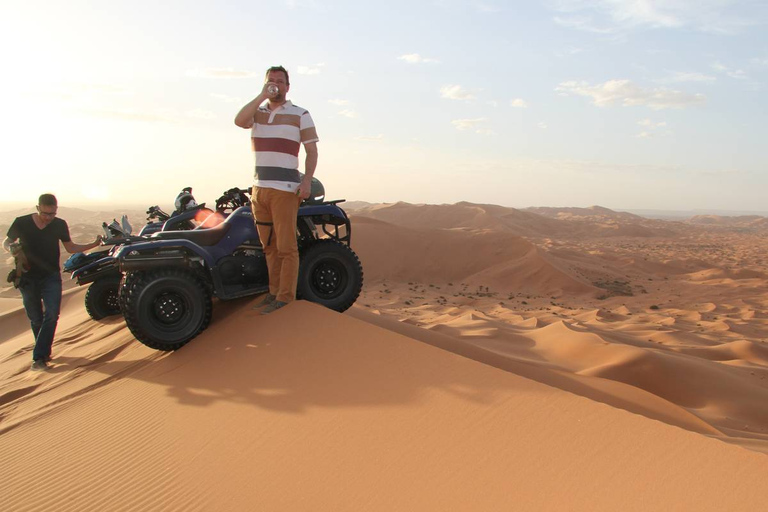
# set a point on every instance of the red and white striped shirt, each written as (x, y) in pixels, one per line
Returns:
(276, 136)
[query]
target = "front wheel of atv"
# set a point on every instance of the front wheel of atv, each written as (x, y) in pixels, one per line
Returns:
(101, 298)
(166, 308)
(330, 274)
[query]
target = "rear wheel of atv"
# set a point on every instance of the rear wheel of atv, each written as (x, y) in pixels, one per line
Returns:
(101, 298)
(330, 274)
(165, 308)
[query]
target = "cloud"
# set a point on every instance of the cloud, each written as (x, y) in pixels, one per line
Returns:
(159, 116)
(585, 23)
(338, 102)
(370, 138)
(542, 125)
(652, 129)
(648, 122)
(628, 94)
(348, 113)
(225, 98)
(107, 89)
(303, 4)
(415, 58)
(487, 7)
(623, 16)
(651, 124)
(467, 124)
(722, 173)
(308, 70)
(201, 114)
(463, 6)
(475, 125)
(682, 76)
(518, 103)
(571, 50)
(225, 73)
(455, 92)
(733, 73)
(77, 92)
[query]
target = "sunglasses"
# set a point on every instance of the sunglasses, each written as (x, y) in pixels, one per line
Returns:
(46, 214)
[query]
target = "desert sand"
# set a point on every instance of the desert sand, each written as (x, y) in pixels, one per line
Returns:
(497, 359)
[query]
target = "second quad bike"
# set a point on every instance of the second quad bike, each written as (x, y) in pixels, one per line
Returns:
(101, 297)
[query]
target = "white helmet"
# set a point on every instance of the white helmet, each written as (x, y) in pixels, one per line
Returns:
(185, 200)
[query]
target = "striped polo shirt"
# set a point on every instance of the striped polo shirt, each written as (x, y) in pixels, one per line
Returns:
(276, 137)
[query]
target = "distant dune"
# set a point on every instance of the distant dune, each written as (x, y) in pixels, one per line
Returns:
(593, 212)
(533, 222)
(476, 257)
(744, 221)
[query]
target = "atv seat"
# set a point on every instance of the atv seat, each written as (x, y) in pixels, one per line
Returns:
(203, 237)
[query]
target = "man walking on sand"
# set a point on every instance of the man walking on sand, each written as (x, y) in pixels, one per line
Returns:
(278, 129)
(40, 285)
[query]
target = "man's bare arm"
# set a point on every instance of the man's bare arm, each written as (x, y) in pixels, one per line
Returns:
(73, 248)
(310, 164)
(244, 118)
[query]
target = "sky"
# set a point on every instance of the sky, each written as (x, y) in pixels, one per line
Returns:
(639, 104)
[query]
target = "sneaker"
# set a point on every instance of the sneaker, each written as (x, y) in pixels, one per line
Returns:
(274, 306)
(39, 366)
(266, 301)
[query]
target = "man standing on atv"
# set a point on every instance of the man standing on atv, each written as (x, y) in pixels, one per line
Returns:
(40, 284)
(278, 129)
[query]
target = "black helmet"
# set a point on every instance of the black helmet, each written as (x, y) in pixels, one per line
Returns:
(185, 200)
(316, 193)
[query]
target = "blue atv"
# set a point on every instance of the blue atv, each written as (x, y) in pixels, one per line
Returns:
(168, 281)
(101, 298)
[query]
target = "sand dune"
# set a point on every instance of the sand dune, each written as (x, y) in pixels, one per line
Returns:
(592, 212)
(341, 416)
(477, 258)
(647, 326)
(482, 368)
(533, 222)
(749, 222)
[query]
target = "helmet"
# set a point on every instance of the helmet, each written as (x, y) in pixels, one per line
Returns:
(232, 199)
(316, 193)
(185, 200)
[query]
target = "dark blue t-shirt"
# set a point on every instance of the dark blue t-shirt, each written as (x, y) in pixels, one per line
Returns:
(41, 246)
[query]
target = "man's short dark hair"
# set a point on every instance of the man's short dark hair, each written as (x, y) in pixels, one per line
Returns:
(279, 68)
(47, 200)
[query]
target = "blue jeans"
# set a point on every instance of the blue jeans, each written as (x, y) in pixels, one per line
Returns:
(42, 300)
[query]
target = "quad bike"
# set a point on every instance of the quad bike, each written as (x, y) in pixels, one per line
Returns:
(101, 297)
(169, 280)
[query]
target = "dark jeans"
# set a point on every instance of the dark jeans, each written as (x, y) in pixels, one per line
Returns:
(42, 300)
